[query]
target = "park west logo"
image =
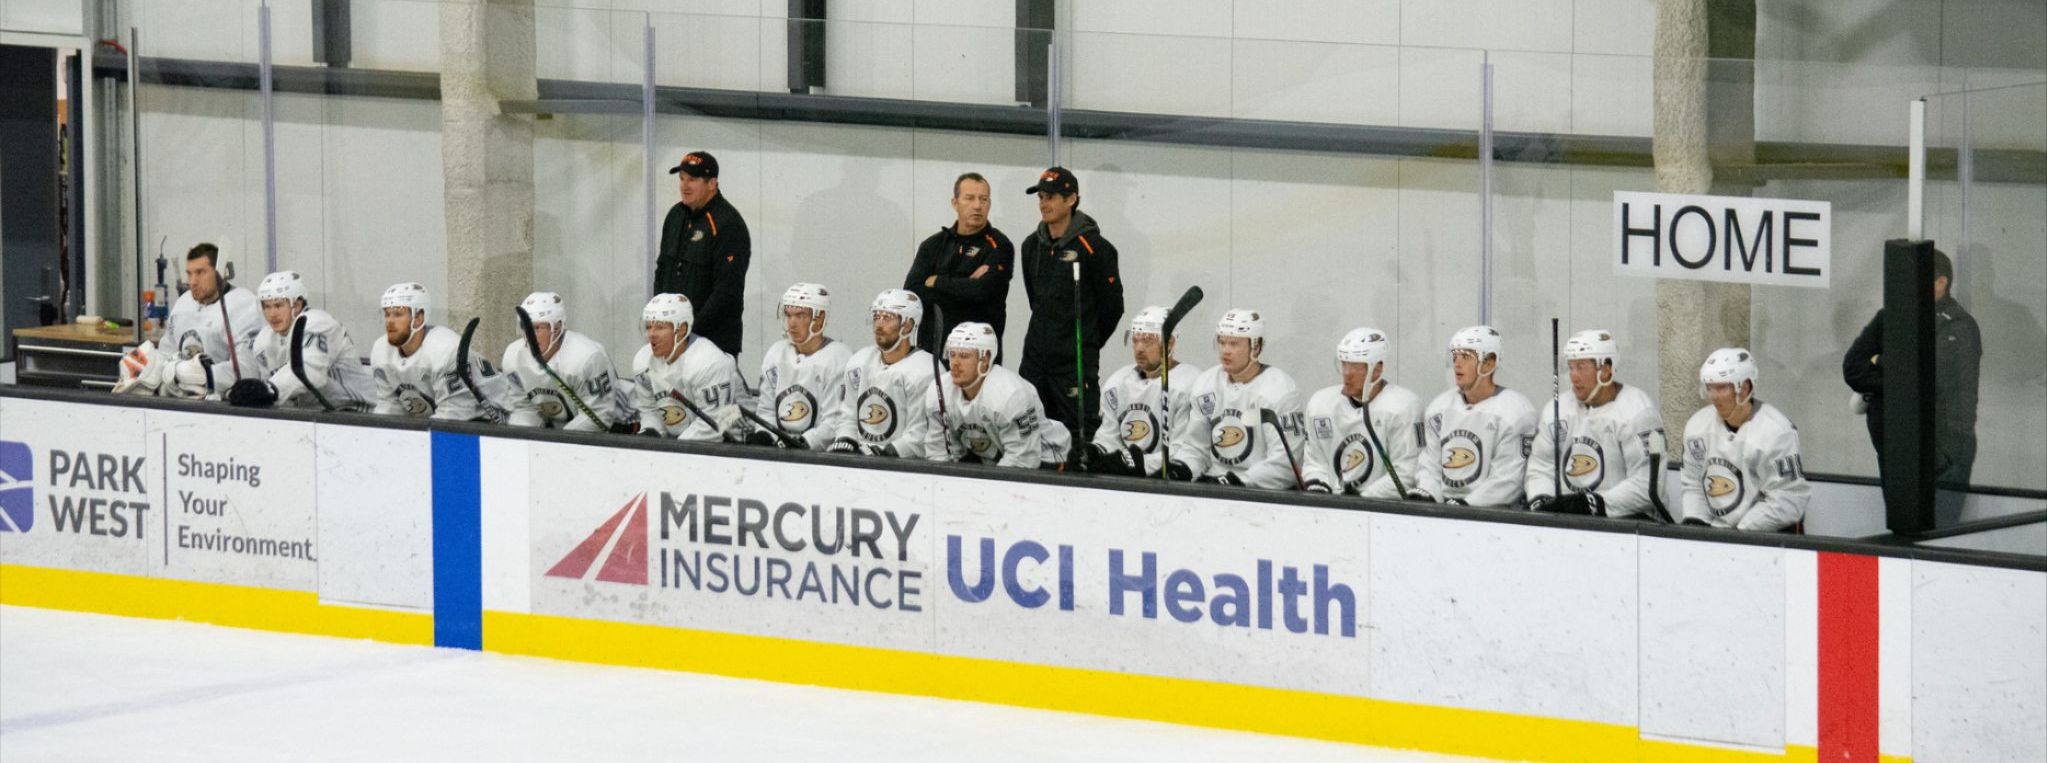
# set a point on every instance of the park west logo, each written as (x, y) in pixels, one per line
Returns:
(17, 487)
(621, 542)
(88, 493)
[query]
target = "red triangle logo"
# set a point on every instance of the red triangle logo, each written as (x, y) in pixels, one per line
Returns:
(627, 561)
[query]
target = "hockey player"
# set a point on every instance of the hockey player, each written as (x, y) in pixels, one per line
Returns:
(803, 375)
(196, 356)
(1477, 433)
(990, 415)
(887, 384)
(1606, 434)
(580, 362)
(677, 369)
(1742, 468)
(327, 354)
(1225, 439)
(1134, 419)
(416, 370)
(1343, 455)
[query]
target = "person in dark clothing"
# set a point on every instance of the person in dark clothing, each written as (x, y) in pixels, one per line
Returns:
(1957, 360)
(705, 249)
(1066, 238)
(965, 268)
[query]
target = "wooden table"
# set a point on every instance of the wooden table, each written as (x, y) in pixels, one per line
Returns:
(70, 355)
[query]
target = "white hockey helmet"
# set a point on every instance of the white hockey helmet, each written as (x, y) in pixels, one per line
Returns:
(1728, 365)
(1241, 322)
(810, 296)
(672, 309)
(1151, 320)
(284, 284)
(407, 295)
(1592, 344)
(1481, 340)
(545, 307)
(903, 303)
(1362, 345)
(979, 337)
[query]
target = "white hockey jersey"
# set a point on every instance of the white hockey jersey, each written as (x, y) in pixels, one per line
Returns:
(584, 366)
(1002, 426)
(428, 383)
(192, 329)
(1606, 450)
(703, 374)
(1225, 434)
(804, 395)
(331, 364)
(885, 403)
(1474, 454)
(1340, 453)
(1132, 413)
(1748, 479)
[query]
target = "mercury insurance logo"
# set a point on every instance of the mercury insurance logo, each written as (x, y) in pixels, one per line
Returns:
(17, 485)
(621, 542)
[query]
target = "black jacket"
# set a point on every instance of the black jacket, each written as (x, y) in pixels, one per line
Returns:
(1048, 282)
(1957, 361)
(704, 257)
(953, 258)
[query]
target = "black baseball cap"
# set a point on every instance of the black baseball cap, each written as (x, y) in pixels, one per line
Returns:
(1057, 179)
(699, 164)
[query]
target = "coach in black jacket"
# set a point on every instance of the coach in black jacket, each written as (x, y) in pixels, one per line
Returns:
(1064, 237)
(1957, 359)
(705, 249)
(964, 268)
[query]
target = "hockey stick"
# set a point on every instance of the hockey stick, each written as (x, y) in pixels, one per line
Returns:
(298, 361)
(1662, 515)
(938, 369)
(699, 412)
(233, 357)
(788, 440)
(1179, 311)
(1556, 415)
(462, 370)
(1365, 412)
(533, 346)
(1266, 416)
(1079, 372)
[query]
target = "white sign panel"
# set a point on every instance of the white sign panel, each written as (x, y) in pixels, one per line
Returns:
(237, 499)
(1735, 239)
(78, 488)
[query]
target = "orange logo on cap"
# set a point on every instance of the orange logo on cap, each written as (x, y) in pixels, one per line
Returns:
(692, 159)
(1049, 176)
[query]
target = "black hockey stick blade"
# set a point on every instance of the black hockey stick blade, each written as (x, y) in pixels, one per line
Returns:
(463, 372)
(938, 359)
(1180, 310)
(298, 361)
(532, 339)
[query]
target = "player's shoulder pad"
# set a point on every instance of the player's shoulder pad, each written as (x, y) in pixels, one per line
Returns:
(1120, 376)
(1450, 398)
(239, 298)
(1702, 422)
(1186, 373)
(1326, 399)
(318, 321)
(1773, 420)
(1397, 398)
(835, 351)
(1514, 404)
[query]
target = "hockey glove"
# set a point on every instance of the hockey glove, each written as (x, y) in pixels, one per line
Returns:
(252, 393)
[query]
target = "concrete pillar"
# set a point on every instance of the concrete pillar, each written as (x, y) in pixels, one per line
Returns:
(487, 55)
(1693, 318)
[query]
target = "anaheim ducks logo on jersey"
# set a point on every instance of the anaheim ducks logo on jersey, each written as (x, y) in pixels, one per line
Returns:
(1463, 458)
(549, 403)
(1232, 440)
(877, 415)
(673, 413)
(1585, 464)
(1725, 486)
(1140, 428)
(796, 409)
(413, 401)
(190, 346)
(1354, 462)
(978, 441)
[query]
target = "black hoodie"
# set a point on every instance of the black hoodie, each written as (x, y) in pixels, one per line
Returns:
(1048, 282)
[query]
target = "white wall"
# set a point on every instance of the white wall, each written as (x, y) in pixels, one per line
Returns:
(359, 203)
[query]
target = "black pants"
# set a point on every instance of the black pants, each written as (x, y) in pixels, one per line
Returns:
(1953, 464)
(1055, 392)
